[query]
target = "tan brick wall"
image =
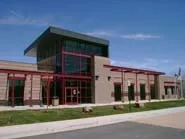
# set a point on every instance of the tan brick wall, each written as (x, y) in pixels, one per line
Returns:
(35, 87)
(104, 88)
(162, 84)
(4, 84)
(103, 85)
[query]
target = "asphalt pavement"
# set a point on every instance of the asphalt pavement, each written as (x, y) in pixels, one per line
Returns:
(125, 130)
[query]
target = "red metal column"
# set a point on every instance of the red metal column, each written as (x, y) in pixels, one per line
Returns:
(122, 89)
(47, 92)
(149, 93)
(49, 95)
(63, 81)
(80, 91)
(136, 90)
(13, 92)
(31, 91)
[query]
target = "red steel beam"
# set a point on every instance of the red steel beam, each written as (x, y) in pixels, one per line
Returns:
(75, 54)
(16, 78)
(9, 71)
(133, 69)
(171, 82)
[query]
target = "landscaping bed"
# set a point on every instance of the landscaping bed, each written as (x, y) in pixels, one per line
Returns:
(35, 116)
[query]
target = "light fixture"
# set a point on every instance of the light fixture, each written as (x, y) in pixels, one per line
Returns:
(109, 77)
(97, 77)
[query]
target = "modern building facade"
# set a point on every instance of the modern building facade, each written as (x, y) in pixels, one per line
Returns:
(76, 68)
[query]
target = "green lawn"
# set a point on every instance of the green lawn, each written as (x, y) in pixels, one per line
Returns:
(35, 116)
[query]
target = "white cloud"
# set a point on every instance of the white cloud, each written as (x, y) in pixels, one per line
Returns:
(140, 36)
(18, 19)
(100, 33)
(147, 63)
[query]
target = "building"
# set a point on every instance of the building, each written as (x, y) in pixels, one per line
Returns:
(75, 68)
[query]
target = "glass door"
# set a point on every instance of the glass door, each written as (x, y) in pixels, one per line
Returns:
(71, 95)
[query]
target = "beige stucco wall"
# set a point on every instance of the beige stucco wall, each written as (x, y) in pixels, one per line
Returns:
(103, 87)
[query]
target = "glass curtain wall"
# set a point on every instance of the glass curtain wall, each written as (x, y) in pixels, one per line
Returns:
(71, 64)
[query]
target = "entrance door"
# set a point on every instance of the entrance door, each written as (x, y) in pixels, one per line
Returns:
(142, 91)
(71, 95)
(117, 92)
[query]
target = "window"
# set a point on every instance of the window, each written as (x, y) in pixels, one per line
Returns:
(172, 90)
(77, 65)
(166, 90)
(85, 48)
(169, 89)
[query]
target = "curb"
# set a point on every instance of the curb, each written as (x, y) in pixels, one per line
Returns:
(26, 130)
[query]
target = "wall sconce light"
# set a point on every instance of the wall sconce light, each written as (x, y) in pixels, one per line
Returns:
(97, 77)
(109, 77)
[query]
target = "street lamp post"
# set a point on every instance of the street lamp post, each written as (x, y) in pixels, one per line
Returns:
(181, 86)
(176, 76)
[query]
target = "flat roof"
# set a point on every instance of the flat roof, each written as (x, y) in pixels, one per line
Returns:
(31, 50)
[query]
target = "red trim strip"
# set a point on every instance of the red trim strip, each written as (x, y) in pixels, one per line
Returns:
(76, 54)
(16, 78)
(41, 74)
(171, 82)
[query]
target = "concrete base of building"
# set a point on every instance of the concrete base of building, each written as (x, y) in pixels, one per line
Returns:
(38, 107)
(26, 102)
(33, 102)
(3, 103)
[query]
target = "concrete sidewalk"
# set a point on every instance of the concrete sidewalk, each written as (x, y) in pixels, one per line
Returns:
(37, 107)
(58, 126)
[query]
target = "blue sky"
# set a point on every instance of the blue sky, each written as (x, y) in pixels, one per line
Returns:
(142, 34)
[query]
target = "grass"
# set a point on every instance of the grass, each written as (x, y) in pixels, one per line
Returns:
(35, 116)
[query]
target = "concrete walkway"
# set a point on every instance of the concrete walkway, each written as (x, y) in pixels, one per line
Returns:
(59, 126)
(37, 107)
(174, 120)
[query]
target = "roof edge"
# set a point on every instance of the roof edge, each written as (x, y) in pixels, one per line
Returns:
(67, 33)
(32, 45)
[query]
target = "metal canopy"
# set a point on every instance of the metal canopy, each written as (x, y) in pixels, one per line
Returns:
(133, 70)
(32, 49)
